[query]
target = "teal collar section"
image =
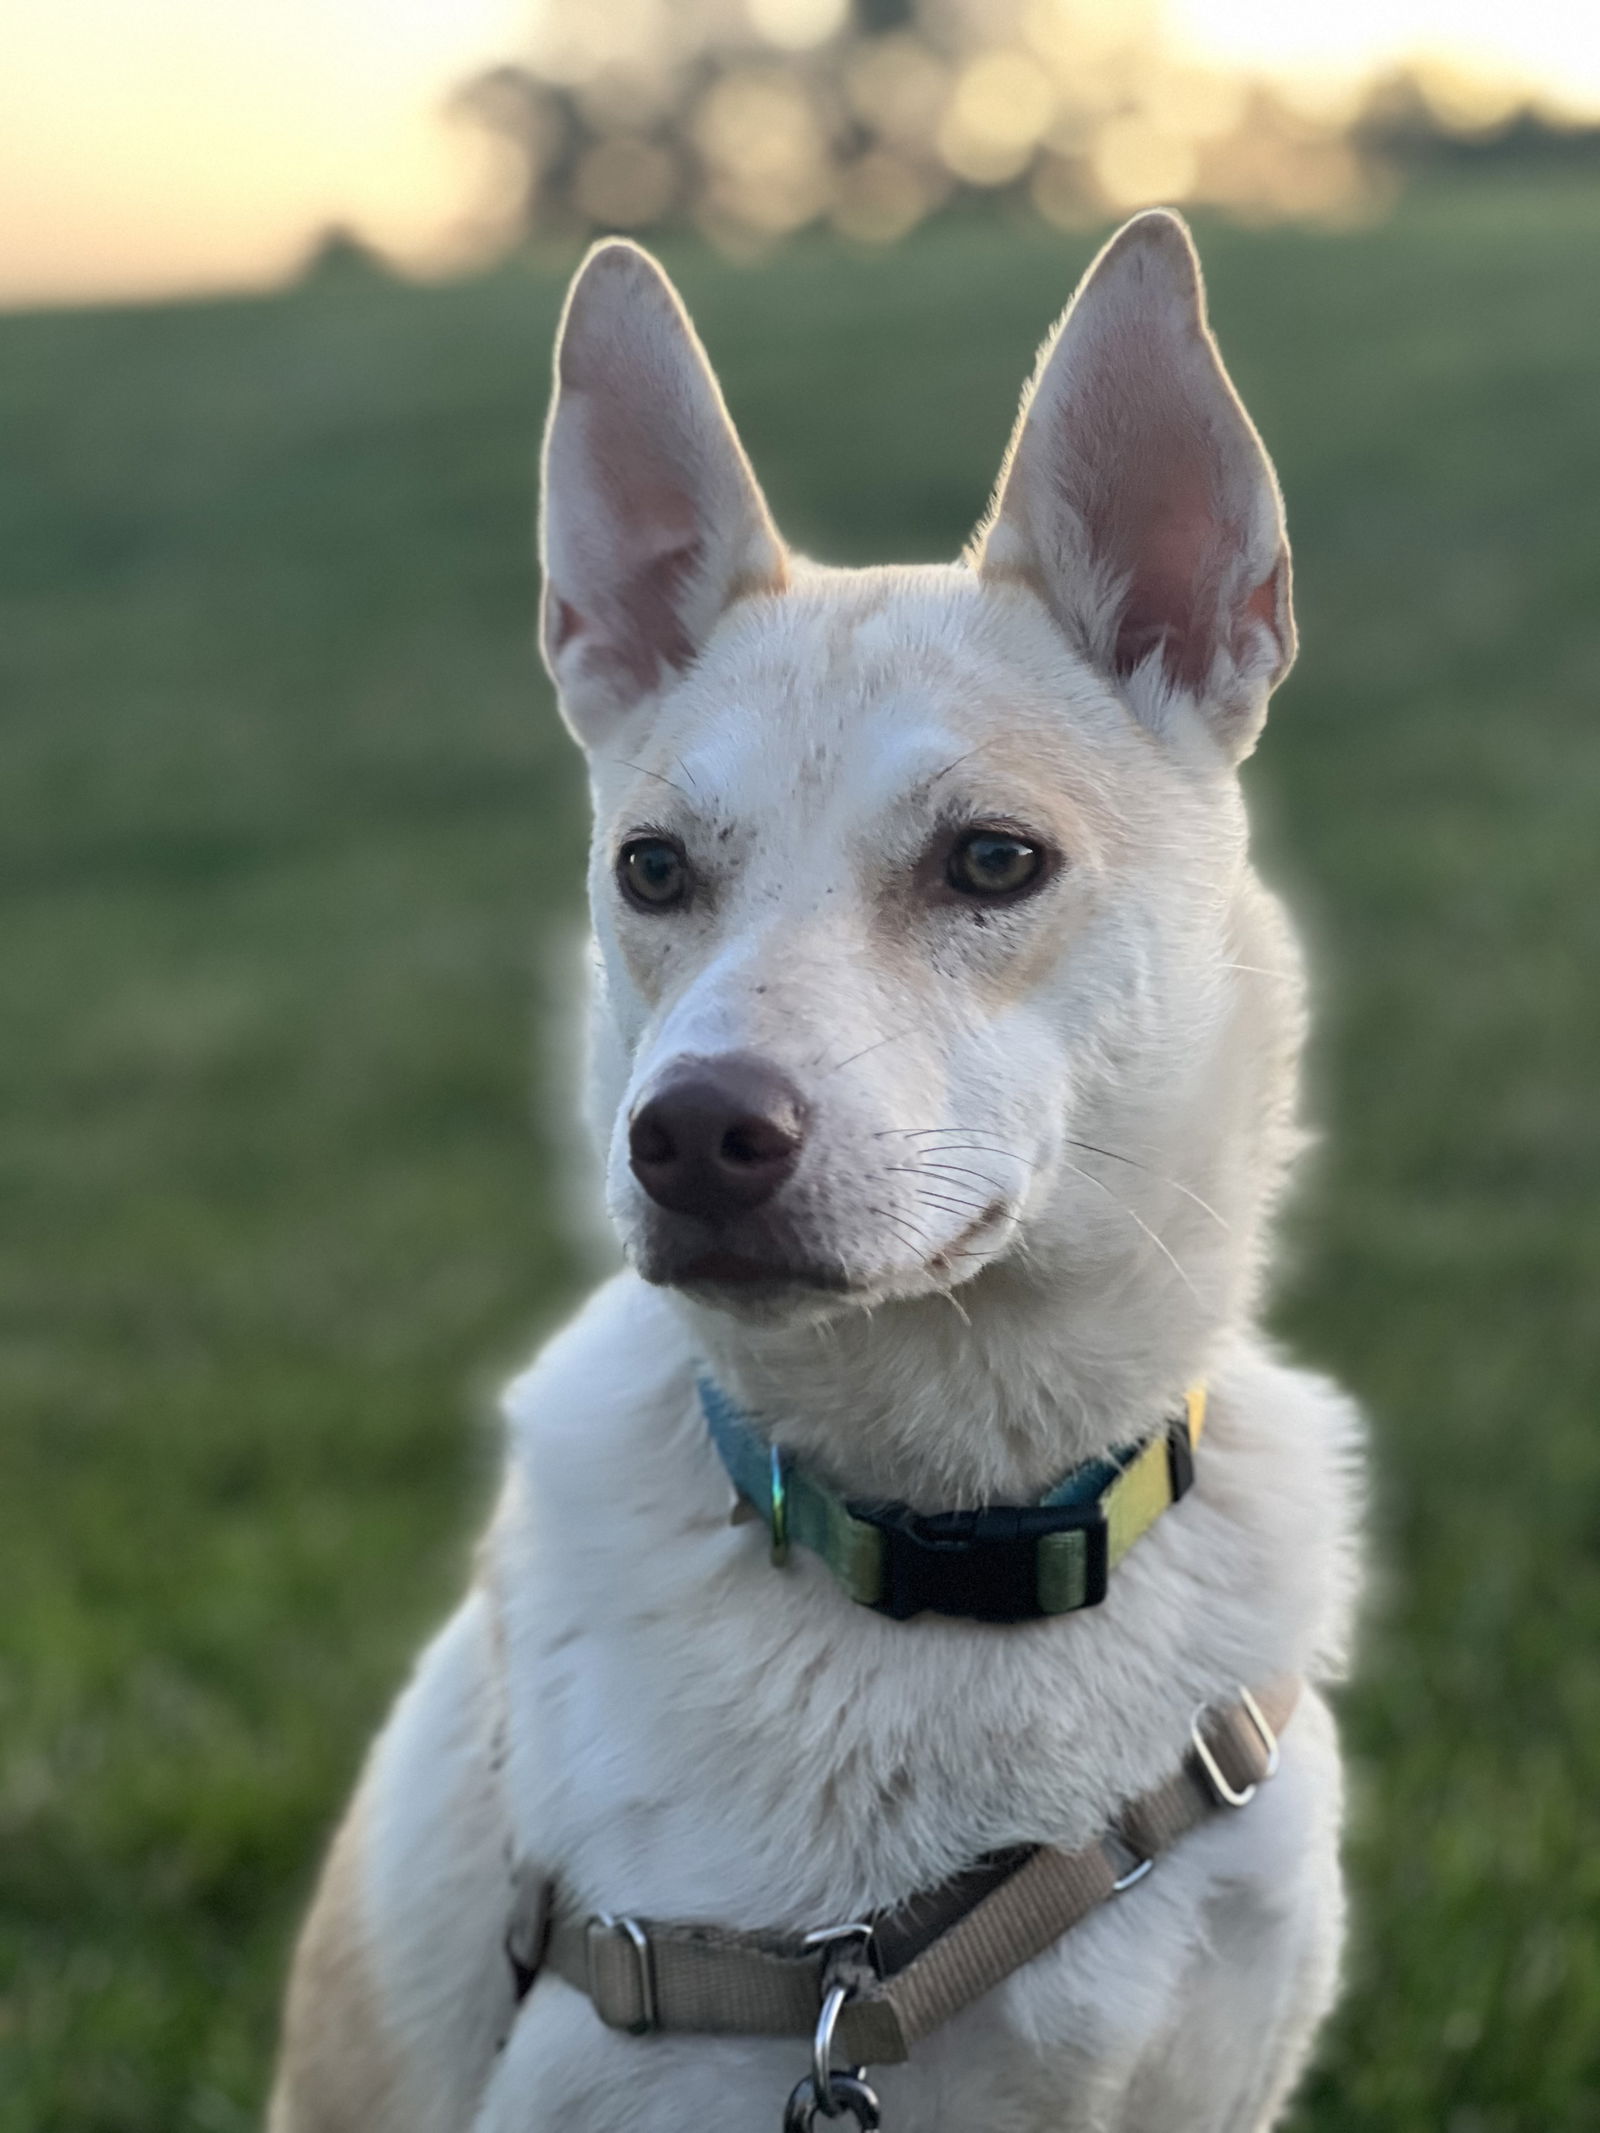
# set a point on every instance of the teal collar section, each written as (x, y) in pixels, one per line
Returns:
(794, 1507)
(1003, 1563)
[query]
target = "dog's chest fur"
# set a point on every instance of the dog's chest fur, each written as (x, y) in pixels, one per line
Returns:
(694, 1733)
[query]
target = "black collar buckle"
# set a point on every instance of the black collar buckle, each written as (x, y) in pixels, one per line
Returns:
(982, 1565)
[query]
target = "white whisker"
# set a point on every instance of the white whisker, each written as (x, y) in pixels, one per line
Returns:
(1139, 1223)
(1177, 1184)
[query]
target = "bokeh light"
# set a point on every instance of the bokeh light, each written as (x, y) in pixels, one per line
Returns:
(190, 146)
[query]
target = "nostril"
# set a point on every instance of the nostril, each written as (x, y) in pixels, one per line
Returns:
(753, 1141)
(649, 1141)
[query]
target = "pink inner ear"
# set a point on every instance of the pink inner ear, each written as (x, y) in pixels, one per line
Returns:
(565, 624)
(1160, 533)
(632, 559)
(1144, 455)
(650, 602)
(637, 626)
(1262, 605)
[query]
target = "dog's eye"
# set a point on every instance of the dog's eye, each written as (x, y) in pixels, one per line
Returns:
(652, 873)
(993, 862)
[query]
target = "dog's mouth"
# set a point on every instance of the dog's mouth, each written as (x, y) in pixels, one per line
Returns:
(750, 1276)
(721, 1273)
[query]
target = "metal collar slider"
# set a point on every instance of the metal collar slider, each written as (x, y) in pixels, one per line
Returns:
(632, 1934)
(1226, 1794)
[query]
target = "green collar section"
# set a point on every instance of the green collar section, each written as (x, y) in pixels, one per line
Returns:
(1004, 1563)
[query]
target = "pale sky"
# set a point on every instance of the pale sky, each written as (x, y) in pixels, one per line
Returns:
(1551, 46)
(154, 146)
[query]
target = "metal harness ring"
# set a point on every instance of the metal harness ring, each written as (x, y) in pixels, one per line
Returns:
(822, 2046)
(827, 2090)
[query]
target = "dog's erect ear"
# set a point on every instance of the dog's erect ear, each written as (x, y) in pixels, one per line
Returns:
(1138, 501)
(652, 522)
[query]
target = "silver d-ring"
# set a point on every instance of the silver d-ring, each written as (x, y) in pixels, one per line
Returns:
(1226, 1795)
(1264, 1733)
(822, 2048)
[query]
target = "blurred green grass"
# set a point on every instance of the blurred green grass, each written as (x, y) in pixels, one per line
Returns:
(290, 858)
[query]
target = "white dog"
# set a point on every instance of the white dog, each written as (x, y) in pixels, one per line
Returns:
(944, 1046)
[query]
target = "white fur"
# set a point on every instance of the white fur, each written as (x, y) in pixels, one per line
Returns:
(673, 1727)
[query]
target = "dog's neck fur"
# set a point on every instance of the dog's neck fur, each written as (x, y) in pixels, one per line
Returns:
(916, 1404)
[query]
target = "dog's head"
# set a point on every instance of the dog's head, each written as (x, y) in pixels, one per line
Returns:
(927, 944)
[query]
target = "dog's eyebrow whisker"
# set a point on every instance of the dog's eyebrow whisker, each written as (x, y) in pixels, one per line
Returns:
(877, 1045)
(1139, 1223)
(1161, 1178)
(627, 764)
(940, 775)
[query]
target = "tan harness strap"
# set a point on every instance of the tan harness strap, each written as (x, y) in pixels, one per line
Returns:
(643, 1975)
(938, 1952)
(1053, 1891)
(1025, 1916)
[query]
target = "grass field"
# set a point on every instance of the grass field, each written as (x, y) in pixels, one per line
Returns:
(290, 856)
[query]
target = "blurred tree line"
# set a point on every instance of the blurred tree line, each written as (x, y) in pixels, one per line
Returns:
(755, 118)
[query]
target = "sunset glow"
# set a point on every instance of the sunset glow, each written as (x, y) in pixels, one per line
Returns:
(190, 144)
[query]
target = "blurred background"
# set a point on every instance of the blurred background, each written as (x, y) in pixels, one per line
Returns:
(291, 847)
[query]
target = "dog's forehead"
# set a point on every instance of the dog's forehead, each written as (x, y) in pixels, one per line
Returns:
(859, 695)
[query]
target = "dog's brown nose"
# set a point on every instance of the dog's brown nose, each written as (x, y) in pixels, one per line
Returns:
(719, 1138)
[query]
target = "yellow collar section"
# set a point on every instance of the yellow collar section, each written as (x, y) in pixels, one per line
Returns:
(1145, 1487)
(1005, 1563)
